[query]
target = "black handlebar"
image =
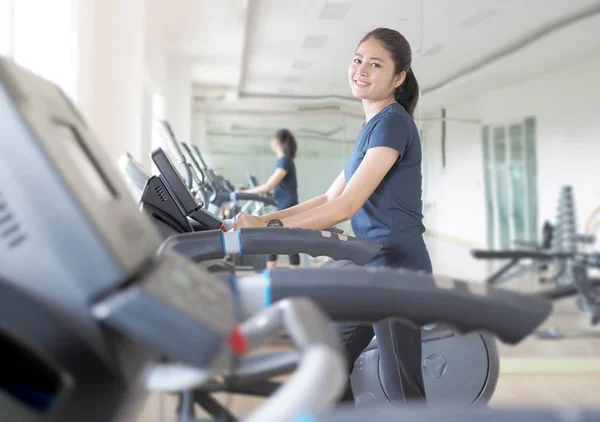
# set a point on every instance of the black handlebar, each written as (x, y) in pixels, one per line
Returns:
(515, 254)
(225, 196)
(419, 297)
(287, 241)
(215, 244)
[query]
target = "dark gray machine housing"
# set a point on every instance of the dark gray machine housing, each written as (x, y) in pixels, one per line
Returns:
(70, 236)
(69, 232)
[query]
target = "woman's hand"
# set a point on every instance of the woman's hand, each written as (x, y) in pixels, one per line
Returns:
(243, 221)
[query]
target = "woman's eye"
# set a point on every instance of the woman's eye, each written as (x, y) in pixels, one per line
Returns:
(375, 64)
(356, 61)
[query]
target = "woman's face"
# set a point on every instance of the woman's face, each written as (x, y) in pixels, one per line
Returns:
(371, 73)
(275, 145)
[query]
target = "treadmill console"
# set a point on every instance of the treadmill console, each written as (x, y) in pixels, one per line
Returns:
(180, 193)
(75, 248)
(179, 310)
(69, 211)
(77, 237)
(174, 183)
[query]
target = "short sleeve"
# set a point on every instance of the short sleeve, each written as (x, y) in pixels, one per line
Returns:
(284, 163)
(392, 132)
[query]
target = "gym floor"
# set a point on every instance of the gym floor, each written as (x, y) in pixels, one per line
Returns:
(547, 373)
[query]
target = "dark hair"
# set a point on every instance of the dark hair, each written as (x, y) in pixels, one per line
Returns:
(288, 142)
(407, 94)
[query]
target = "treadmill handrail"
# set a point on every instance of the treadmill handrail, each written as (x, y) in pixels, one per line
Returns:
(227, 196)
(167, 133)
(259, 367)
(369, 295)
(517, 254)
(198, 169)
(199, 156)
(321, 357)
(213, 244)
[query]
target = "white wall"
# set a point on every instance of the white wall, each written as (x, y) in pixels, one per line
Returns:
(44, 41)
(566, 106)
(112, 72)
(6, 18)
(98, 52)
(179, 98)
(452, 233)
(126, 80)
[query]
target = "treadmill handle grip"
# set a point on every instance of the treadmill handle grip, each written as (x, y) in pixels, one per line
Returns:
(288, 241)
(214, 244)
(510, 254)
(226, 196)
(370, 295)
(321, 358)
(198, 246)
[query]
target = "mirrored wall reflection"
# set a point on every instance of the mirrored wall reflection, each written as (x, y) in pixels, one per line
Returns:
(237, 144)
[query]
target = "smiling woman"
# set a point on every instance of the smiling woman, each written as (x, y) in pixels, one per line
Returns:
(391, 56)
(380, 191)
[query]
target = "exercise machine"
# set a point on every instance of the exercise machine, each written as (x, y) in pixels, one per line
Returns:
(449, 358)
(102, 319)
(574, 275)
(460, 369)
(199, 177)
(561, 243)
(166, 199)
(415, 296)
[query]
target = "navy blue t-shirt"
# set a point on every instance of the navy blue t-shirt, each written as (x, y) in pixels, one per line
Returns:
(286, 191)
(392, 216)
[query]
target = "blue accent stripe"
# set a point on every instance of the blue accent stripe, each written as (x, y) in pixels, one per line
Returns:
(268, 293)
(304, 417)
(235, 297)
(240, 241)
(223, 243)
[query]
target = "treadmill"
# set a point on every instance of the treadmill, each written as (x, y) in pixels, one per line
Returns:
(167, 200)
(382, 293)
(91, 318)
(70, 249)
(222, 190)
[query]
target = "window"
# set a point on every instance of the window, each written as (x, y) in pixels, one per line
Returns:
(6, 19)
(510, 173)
(44, 38)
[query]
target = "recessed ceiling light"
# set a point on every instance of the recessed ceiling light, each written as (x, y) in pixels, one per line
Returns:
(434, 49)
(477, 18)
(293, 79)
(335, 10)
(302, 64)
(315, 41)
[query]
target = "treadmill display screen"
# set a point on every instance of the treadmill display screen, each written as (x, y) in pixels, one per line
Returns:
(88, 169)
(183, 197)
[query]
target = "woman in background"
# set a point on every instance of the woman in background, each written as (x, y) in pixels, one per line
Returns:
(282, 182)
